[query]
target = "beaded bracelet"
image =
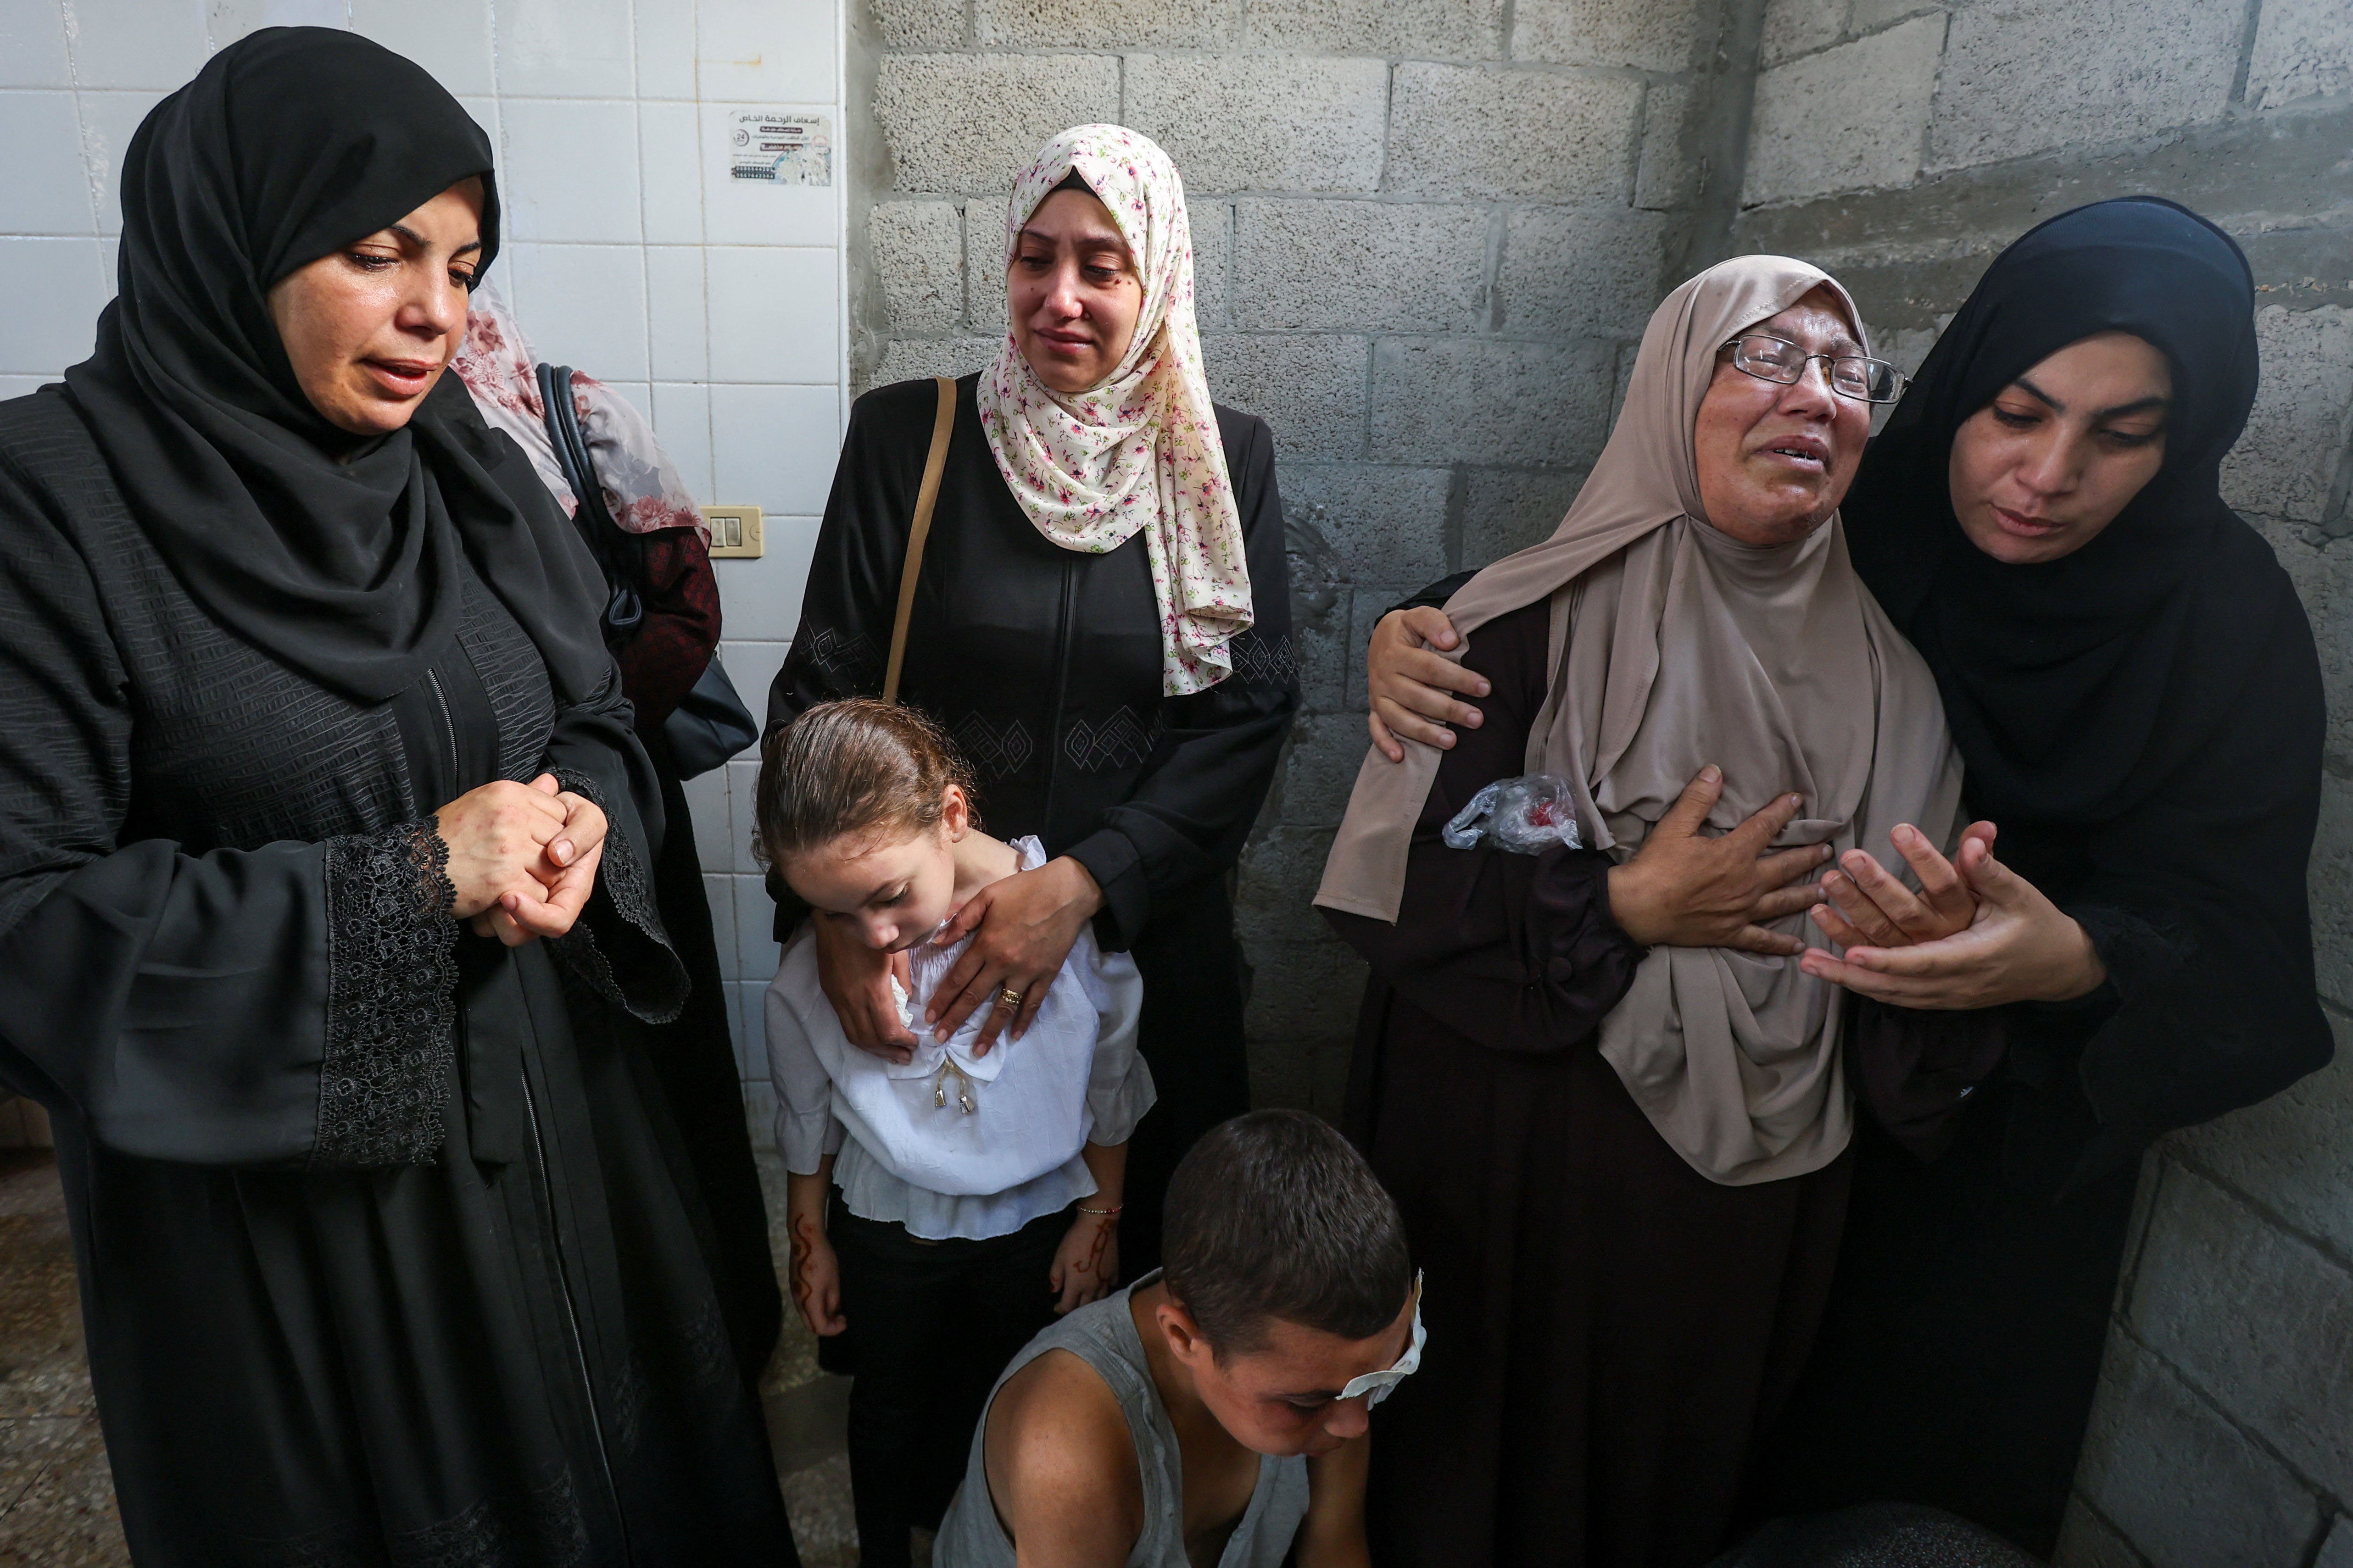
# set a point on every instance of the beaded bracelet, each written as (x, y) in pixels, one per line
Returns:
(1111, 1213)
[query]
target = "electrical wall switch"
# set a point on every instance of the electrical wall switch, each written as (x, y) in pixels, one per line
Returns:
(734, 532)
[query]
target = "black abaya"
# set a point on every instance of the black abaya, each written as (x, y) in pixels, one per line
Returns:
(1045, 666)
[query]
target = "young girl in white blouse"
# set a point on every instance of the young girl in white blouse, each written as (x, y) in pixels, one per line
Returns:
(945, 1206)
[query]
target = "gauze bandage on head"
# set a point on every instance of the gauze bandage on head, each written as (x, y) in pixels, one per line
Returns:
(1380, 1384)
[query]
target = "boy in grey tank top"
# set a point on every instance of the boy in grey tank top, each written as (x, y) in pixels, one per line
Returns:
(1210, 1415)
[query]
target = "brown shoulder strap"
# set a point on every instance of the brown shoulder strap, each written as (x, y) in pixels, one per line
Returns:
(926, 497)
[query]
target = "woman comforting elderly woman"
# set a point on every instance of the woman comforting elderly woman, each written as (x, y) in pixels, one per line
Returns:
(327, 935)
(1917, 1292)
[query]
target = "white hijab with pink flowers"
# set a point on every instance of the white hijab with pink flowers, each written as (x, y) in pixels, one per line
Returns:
(1141, 451)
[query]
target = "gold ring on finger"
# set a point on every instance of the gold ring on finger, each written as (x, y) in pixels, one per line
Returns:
(1008, 998)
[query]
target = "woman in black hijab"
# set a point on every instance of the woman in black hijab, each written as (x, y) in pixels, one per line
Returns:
(325, 931)
(2132, 681)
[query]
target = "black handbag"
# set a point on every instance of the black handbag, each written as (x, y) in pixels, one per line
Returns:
(710, 723)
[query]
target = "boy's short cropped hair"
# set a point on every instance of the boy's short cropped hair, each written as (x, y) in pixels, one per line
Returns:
(1274, 1215)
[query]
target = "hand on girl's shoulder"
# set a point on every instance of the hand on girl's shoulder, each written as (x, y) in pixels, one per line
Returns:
(1061, 1464)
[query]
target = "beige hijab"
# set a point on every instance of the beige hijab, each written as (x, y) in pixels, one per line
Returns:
(1673, 647)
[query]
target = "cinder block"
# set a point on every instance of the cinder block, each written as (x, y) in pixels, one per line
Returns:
(1906, 346)
(1794, 28)
(2087, 1541)
(2023, 76)
(1310, 389)
(1382, 524)
(1318, 772)
(1319, 630)
(1304, 991)
(984, 262)
(1571, 274)
(1649, 35)
(1510, 509)
(1457, 130)
(1105, 24)
(903, 358)
(1282, 1072)
(1213, 259)
(2184, 1488)
(918, 249)
(1265, 123)
(1444, 29)
(919, 24)
(1359, 264)
(972, 122)
(1276, 886)
(2302, 48)
(1483, 401)
(1870, 16)
(2291, 1153)
(2260, 1321)
(1666, 175)
(1848, 119)
(2289, 462)
(2330, 872)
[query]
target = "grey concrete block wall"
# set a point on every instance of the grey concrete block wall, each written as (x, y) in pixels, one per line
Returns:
(1424, 230)
(1901, 145)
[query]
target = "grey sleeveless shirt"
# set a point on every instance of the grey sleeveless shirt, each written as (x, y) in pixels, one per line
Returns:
(1103, 1336)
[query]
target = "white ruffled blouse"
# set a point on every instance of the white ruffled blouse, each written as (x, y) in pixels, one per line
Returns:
(950, 1144)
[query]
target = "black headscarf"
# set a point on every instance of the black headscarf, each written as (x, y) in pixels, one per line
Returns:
(2142, 718)
(334, 554)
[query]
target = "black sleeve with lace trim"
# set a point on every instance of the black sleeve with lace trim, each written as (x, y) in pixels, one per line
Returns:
(392, 988)
(619, 949)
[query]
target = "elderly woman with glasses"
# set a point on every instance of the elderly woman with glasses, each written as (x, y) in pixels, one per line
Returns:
(1610, 1104)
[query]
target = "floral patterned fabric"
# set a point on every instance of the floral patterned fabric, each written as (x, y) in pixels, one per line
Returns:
(1140, 451)
(643, 488)
(643, 492)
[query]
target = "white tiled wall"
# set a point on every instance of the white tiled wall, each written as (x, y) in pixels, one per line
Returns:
(718, 310)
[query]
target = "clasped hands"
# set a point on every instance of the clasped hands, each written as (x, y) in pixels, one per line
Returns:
(1027, 925)
(522, 858)
(1976, 934)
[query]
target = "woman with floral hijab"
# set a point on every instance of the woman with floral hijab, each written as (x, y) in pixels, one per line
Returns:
(1101, 623)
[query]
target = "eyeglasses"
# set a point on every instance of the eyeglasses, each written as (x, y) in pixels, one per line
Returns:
(1851, 375)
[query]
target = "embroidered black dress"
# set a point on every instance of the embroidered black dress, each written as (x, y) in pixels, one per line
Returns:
(1044, 664)
(388, 1255)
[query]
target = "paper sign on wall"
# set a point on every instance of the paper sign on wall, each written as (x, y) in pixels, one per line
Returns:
(779, 148)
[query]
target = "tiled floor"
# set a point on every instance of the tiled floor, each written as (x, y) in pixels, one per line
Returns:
(57, 1498)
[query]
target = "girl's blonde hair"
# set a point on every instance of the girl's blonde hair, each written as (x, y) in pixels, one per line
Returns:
(859, 767)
